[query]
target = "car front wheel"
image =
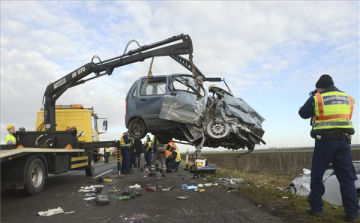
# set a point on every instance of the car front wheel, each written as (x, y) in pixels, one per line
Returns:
(137, 128)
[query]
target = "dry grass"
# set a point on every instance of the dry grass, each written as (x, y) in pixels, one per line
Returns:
(280, 162)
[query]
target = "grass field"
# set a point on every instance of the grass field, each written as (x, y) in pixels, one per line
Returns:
(264, 172)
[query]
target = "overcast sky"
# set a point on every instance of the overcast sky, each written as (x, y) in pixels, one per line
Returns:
(270, 53)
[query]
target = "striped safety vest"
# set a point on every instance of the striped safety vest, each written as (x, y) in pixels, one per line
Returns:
(122, 142)
(333, 110)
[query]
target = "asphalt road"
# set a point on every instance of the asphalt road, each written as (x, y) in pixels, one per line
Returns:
(213, 205)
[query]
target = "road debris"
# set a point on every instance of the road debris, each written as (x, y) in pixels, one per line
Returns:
(167, 189)
(208, 184)
(51, 212)
(102, 199)
(201, 190)
(107, 179)
(89, 198)
(182, 197)
(121, 198)
(70, 212)
(93, 188)
(137, 186)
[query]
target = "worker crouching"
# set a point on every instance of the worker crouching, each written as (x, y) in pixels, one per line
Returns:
(173, 160)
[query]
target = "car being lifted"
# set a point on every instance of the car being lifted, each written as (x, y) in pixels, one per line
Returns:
(178, 106)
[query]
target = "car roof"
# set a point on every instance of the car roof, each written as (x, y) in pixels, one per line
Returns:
(169, 75)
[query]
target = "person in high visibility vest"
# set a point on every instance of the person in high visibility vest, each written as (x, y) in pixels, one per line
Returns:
(331, 112)
(159, 150)
(148, 146)
(10, 138)
(174, 160)
(125, 144)
(106, 154)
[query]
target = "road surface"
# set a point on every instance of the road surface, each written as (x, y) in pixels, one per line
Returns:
(214, 205)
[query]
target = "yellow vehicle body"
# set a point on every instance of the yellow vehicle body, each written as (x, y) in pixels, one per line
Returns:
(83, 119)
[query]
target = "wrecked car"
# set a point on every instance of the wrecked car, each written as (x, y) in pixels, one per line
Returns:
(301, 185)
(178, 106)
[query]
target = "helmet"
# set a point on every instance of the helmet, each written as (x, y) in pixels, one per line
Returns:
(9, 127)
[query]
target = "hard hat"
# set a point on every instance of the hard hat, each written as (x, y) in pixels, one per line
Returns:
(9, 127)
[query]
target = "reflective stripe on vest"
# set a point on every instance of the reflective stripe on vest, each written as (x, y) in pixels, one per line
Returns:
(178, 157)
(333, 110)
(122, 142)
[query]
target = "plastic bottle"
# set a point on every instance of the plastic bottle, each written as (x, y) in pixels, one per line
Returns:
(126, 197)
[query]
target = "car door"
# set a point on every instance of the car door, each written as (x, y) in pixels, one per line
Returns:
(149, 101)
(185, 102)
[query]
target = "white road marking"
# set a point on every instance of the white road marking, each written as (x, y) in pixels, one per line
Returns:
(102, 174)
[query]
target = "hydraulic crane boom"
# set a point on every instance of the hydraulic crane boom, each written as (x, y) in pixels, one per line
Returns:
(56, 89)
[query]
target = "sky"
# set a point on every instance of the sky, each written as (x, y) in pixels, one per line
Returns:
(271, 53)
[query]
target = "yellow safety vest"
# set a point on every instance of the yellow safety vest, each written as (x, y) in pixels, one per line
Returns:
(148, 146)
(333, 110)
(178, 157)
(107, 149)
(10, 138)
(122, 142)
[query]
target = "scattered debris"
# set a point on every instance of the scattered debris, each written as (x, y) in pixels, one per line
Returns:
(135, 186)
(121, 198)
(208, 184)
(285, 197)
(89, 195)
(107, 179)
(201, 190)
(102, 199)
(70, 212)
(183, 197)
(89, 198)
(200, 185)
(51, 212)
(94, 188)
(152, 189)
(167, 189)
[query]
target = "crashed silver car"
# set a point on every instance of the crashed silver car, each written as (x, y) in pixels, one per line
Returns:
(178, 106)
(301, 185)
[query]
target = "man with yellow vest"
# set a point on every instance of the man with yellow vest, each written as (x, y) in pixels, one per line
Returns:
(331, 112)
(106, 154)
(125, 145)
(173, 160)
(10, 138)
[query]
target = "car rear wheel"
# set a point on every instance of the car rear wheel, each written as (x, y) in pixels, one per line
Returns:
(137, 128)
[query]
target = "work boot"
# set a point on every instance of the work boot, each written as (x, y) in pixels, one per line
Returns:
(313, 213)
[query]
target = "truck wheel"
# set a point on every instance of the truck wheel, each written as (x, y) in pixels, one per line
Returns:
(34, 177)
(137, 128)
(90, 170)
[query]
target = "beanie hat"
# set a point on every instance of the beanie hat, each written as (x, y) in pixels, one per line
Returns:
(324, 81)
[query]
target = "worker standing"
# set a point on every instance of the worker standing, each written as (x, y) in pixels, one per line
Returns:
(159, 150)
(331, 110)
(125, 144)
(173, 160)
(138, 151)
(10, 138)
(106, 154)
(148, 151)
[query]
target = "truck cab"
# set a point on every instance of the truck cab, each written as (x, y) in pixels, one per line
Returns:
(75, 115)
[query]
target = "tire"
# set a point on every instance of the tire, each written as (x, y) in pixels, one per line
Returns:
(90, 170)
(218, 130)
(137, 128)
(34, 177)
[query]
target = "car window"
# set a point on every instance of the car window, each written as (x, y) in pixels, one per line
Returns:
(155, 86)
(184, 83)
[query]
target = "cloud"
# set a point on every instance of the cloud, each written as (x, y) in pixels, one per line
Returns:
(272, 46)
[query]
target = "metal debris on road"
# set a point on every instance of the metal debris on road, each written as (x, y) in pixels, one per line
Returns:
(51, 212)
(70, 212)
(102, 199)
(182, 197)
(167, 189)
(89, 198)
(137, 186)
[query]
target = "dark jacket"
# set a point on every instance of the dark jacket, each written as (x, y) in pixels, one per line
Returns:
(138, 146)
(308, 111)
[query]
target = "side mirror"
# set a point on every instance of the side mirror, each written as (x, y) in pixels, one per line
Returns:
(105, 125)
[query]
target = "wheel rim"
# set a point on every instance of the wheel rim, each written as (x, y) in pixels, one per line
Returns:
(218, 129)
(37, 176)
(137, 129)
